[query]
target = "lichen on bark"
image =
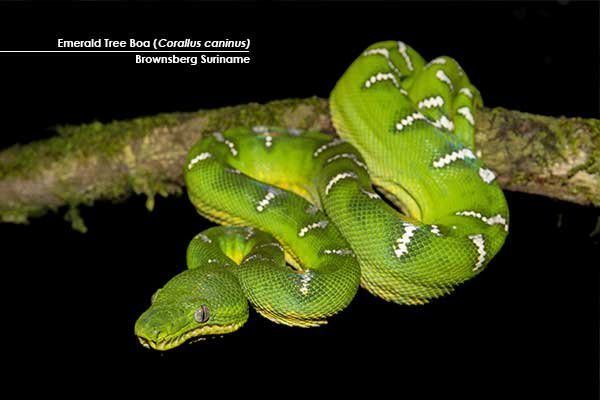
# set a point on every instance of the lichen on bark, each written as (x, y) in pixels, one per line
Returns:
(557, 157)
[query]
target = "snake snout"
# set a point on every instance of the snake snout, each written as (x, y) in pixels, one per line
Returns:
(157, 324)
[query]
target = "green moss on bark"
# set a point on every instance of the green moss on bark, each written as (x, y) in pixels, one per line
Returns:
(557, 157)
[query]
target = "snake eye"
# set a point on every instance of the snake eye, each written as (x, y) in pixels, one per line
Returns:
(201, 315)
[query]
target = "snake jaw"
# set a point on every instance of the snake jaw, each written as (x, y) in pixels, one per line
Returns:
(193, 335)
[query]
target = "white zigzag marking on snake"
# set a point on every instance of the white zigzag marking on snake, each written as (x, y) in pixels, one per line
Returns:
(339, 252)
(495, 220)
(348, 156)
(254, 256)
(430, 102)
(441, 75)
(379, 77)
(203, 237)
(334, 142)
(435, 230)
(321, 224)
(455, 155)
(268, 140)
(402, 49)
(466, 112)
(265, 201)
(487, 175)
(443, 122)
(260, 129)
(199, 157)
(274, 244)
(409, 119)
(339, 177)
(480, 244)
(438, 60)
(249, 232)
(305, 281)
(311, 209)
(386, 54)
(371, 195)
(466, 92)
(231, 147)
(220, 138)
(382, 51)
(404, 240)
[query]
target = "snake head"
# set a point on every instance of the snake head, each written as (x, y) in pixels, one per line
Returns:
(194, 304)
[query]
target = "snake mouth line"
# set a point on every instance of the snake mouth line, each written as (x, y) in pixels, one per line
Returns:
(190, 336)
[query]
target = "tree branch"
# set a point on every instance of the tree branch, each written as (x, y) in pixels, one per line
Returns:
(556, 157)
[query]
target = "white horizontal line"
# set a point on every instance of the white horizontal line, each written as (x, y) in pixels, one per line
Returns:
(125, 51)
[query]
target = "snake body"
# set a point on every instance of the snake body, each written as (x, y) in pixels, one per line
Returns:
(406, 142)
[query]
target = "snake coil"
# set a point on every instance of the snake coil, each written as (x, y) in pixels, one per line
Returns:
(406, 133)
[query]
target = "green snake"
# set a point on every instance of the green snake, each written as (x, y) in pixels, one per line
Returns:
(399, 204)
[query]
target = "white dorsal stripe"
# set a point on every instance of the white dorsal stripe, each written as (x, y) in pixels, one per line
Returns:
(487, 175)
(495, 220)
(455, 155)
(328, 145)
(349, 156)
(466, 92)
(402, 242)
(381, 77)
(430, 102)
(339, 177)
(198, 158)
(409, 120)
(403, 51)
(265, 201)
(466, 112)
(321, 225)
(479, 242)
(441, 75)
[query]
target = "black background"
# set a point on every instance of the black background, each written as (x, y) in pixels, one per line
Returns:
(528, 326)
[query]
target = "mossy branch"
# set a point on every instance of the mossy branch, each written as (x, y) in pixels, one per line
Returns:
(556, 157)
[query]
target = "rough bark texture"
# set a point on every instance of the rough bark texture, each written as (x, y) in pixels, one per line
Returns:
(556, 157)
